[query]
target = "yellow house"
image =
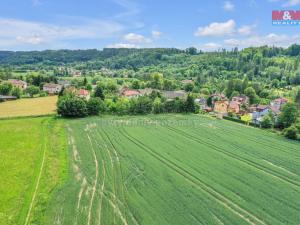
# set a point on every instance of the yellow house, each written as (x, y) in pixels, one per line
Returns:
(221, 107)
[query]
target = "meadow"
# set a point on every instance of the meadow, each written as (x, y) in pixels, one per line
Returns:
(33, 163)
(176, 169)
(28, 107)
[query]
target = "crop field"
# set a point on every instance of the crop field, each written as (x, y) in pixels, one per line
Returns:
(32, 164)
(28, 107)
(176, 169)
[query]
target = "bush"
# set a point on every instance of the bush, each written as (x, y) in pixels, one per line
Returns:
(72, 107)
(291, 132)
(266, 122)
(95, 106)
(16, 92)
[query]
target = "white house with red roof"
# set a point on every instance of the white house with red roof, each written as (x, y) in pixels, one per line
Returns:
(82, 93)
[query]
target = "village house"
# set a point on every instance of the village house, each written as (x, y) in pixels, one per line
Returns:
(52, 88)
(64, 83)
(221, 107)
(76, 74)
(170, 95)
(217, 97)
(18, 83)
(130, 93)
(235, 105)
(258, 112)
(278, 103)
(82, 93)
(201, 102)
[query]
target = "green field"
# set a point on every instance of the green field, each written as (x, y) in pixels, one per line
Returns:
(176, 169)
(32, 163)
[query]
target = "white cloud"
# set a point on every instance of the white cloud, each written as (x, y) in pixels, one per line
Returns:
(211, 46)
(269, 39)
(217, 29)
(20, 32)
(246, 30)
(228, 6)
(136, 38)
(156, 34)
(122, 45)
(291, 3)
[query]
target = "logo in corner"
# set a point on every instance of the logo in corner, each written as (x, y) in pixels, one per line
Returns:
(286, 17)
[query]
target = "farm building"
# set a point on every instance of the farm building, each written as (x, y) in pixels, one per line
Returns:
(7, 98)
(18, 83)
(52, 88)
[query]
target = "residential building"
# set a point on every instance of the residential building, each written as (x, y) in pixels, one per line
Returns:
(64, 83)
(235, 105)
(52, 88)
(278, 103)
(259, 112)
(221, 107)
(82, 93)
(202, 102)
(130, 93)
(18, 83)
(170, 95)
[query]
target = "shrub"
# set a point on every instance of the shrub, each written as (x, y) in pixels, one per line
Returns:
(291, 132)
(72, 107)
(95, 106)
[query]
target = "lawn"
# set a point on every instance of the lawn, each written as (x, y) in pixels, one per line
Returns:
(28, 107)
(33, 163)
(175, 169)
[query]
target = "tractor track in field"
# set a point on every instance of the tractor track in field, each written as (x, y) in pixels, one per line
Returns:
(122, 179)
(102, 191)
(114, 173)
(227, 203)
(95, 180)
(261, 141)
(262, 168)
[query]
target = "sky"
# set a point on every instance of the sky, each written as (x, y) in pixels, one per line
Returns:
(97, 24)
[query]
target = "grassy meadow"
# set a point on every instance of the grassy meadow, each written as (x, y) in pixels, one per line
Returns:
(33, 163)
(28, 107)
(175, 169)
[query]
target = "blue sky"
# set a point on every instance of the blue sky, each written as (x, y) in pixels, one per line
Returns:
(83, 24)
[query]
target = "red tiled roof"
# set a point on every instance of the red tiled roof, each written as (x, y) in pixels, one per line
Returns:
(129, 93)
(83, 92)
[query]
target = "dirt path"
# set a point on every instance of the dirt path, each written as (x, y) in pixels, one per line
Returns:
(38, 180)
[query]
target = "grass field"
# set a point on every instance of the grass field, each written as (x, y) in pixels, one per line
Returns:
(32, 164)
(28, 107)
(177, 169)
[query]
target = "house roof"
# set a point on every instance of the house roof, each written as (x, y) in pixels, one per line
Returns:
(83, 92)
(7, 97)
(130, 93)
(280, 100)
(174, 94)
(15, 81)
(222, 102)
(51, 85)
(234, 104)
